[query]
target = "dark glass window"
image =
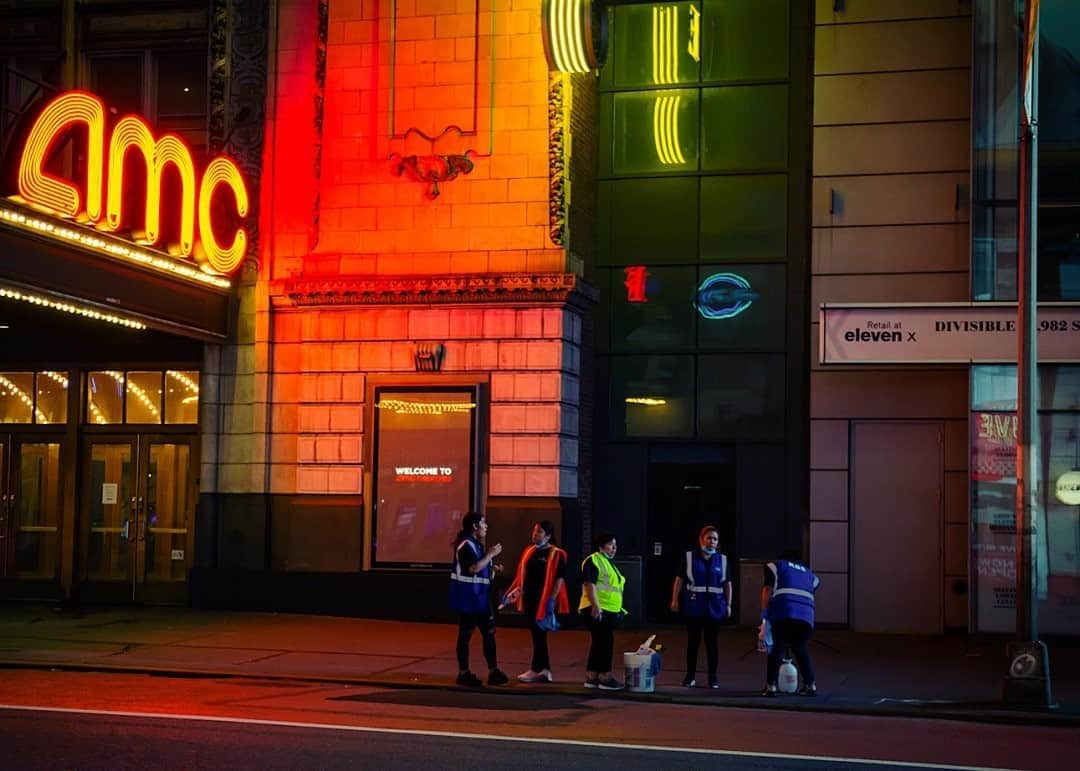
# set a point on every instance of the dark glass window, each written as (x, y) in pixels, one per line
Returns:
(652, 396)
(741, 306)
(118, 80)
(655, 44)
(744, 128)
(656, 131)
(654, 220)
(741, 397)
(744, 217)
(652, 308)
(744, 40)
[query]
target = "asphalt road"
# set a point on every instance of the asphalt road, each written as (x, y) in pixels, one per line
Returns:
(105, 720)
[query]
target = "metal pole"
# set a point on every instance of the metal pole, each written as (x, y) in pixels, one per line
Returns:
(1028, 679)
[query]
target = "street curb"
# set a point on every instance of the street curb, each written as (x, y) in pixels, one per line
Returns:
(959, 711)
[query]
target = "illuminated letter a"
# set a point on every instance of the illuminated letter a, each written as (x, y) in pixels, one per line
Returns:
(59, 195)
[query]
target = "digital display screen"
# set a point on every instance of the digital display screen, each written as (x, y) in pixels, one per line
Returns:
(424, 473)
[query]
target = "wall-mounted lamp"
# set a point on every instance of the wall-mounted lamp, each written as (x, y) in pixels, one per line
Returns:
(575, 34)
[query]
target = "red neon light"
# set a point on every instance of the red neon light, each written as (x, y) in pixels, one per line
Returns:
(636, 276)
(62, 197)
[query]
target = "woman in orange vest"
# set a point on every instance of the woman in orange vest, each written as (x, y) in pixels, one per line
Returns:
(539, 590)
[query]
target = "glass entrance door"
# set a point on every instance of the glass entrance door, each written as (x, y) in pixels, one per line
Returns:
(30, 507)
(137, 512)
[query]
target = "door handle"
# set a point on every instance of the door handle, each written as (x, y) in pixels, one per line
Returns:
(125, 529)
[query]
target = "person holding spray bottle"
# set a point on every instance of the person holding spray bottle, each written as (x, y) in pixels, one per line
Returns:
(470, 596)
(702, 591)
(787, 601)
(539, 590)
(601, 606)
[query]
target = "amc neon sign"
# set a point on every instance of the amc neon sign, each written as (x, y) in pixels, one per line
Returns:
(130, 134)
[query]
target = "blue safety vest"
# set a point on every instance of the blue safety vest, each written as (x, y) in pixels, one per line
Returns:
(793, 596)
(470, 592)
(703, 592)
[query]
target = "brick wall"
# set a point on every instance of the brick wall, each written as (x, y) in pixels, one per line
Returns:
(437, 72)
(529, 356)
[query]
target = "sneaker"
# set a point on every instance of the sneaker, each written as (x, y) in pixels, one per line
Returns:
(688, 682)
(714, 683)
(808, 690)
(769, 690)
(497, 677)
(545, 676)
(610, 684)
(592, 682)
(529, 676)
(469, 680)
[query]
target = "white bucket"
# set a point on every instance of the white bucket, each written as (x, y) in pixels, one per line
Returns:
(639, 672)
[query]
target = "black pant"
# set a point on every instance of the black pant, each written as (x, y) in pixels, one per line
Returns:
(696, 626)
(485, 622)
(603, 640)
(540, 658)
(793, 633)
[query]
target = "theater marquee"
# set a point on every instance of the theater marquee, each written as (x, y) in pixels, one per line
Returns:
(945, 333)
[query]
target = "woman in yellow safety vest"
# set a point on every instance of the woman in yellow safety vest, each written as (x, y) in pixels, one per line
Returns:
(601, 607)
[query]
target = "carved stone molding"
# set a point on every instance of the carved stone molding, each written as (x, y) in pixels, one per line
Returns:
(557, 172)
(436, 290)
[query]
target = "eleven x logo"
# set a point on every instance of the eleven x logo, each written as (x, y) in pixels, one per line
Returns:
(880, 332)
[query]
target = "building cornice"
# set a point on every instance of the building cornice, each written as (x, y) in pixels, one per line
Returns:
(483, 288)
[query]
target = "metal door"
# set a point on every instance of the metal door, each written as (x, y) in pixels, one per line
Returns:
(896, 528)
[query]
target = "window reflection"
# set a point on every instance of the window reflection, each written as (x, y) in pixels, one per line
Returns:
(105, 397)
(52, 396)
(143, 397)
(182, 396)
(16, 397)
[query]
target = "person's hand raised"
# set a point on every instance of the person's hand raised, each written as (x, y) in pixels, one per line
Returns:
(495, 550)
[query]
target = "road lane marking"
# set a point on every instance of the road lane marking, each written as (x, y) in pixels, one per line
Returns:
(493, 737)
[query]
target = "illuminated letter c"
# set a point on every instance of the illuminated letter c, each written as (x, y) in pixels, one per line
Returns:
(221, 259)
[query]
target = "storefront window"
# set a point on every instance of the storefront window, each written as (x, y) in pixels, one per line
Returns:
(652, 396)
(182, 396)
(143, 397)
(993, 480)
(424, 448)
(16, 397)
(52, 396)
(105, 397)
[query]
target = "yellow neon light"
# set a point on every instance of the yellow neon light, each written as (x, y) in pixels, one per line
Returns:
(693, 45)
(221, 171)
(60, 196)
(665, 44)
(75, 310)
(132, 133)
(34, 184)
(404, 407)
(646, 401)
(109, 247)
(666, 130)
(566, 25)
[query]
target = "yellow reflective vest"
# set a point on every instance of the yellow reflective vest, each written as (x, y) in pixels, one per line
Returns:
(609, 585)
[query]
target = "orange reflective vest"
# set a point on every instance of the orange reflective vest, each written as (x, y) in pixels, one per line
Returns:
(558, 556)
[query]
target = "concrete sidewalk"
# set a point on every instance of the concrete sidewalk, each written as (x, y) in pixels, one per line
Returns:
(951, 677)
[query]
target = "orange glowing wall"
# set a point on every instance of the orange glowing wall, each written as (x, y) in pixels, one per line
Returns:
(424, 64)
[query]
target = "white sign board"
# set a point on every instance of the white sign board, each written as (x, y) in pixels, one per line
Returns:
(108, 493)
(960, 333)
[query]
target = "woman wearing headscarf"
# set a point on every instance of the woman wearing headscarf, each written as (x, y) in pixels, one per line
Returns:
(539, 590)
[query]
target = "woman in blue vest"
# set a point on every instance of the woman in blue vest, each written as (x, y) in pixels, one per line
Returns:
(470, 596)
(787, 601)
(702, 591)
